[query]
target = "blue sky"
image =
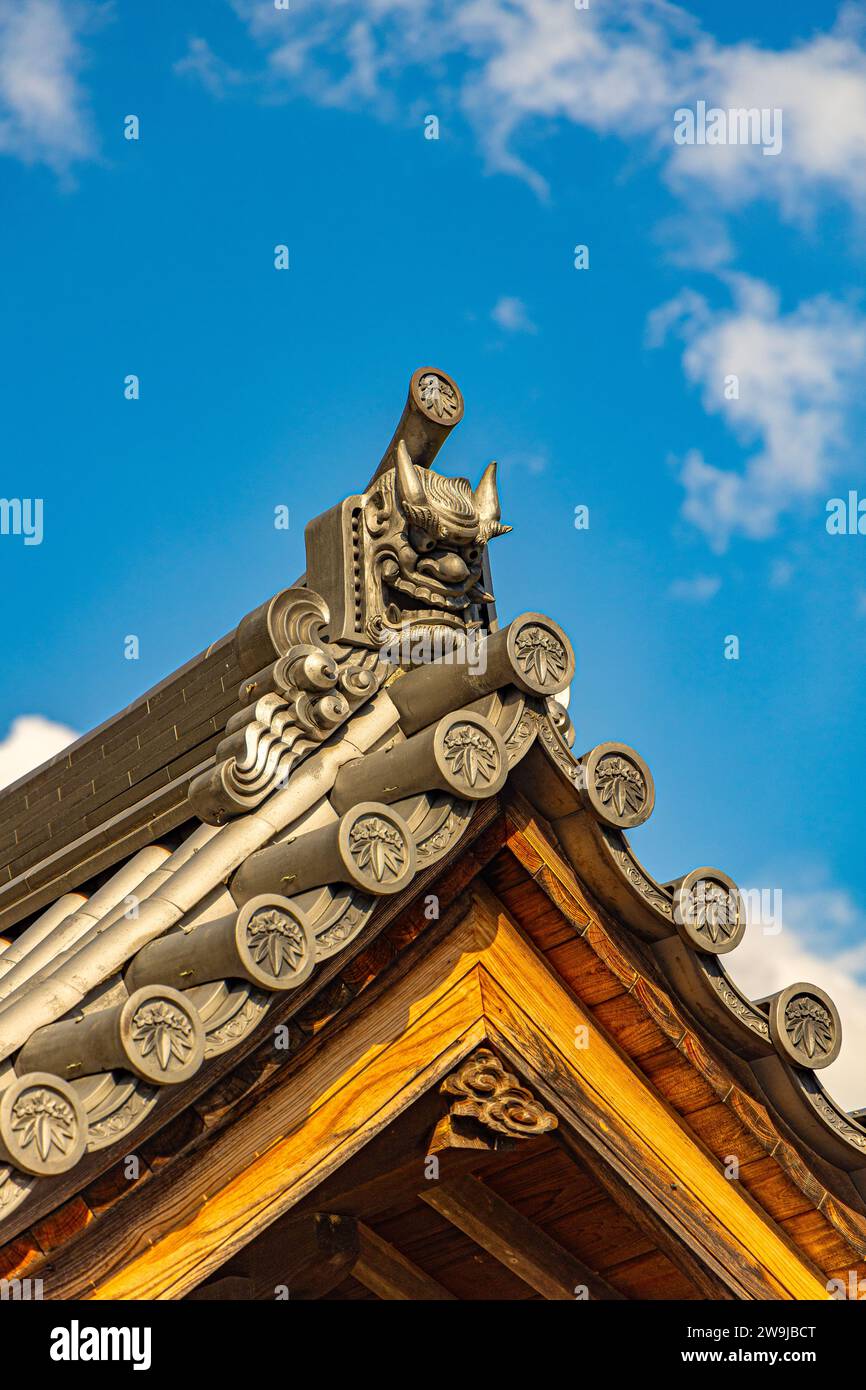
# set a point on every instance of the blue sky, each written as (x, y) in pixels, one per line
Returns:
(602, 387)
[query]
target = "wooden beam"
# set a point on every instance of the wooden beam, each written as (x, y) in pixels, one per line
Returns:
(301, 1258)
(709, 1278)
(306, 1255)
(509, 1237)
(389, 1275)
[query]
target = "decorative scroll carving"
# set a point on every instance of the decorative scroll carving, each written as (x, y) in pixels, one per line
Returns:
(519, 740)
(111, 1126)
(560, 719)
(340, 927)
(257, 754)
(292, 618)
(243, 1020)
(436, 843)
(14, 1187)
(830, 1115)
(626, 862)
(292, 704)
(114, 1106)
(740, 1007)
(490, 1095)
(805, 1026)
(436, 820)
(229, 1009)
(829, 1112)
(552, 735)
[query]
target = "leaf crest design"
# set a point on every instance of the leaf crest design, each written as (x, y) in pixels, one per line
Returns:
(437, 396)
(45, 1120)
(378, 847)
(470, 754)
(619, 783)
(713, 910)
(165, 1032)
(541, 654)
(809, 1026)
(276, 941)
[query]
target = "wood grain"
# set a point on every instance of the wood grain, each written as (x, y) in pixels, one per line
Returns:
(513, 1240)
(382, 1269)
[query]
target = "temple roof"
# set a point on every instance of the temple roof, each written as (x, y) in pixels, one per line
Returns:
(206, 867)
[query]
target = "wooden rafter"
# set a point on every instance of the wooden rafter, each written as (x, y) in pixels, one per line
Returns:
(305, 1256)
(704, 1273)
(515, 1241)
(390, 1275)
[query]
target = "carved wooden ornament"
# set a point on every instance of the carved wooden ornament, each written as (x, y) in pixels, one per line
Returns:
(486, 1092)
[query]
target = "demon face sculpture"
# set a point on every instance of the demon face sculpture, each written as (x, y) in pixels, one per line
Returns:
(431, 535)
(406, 557)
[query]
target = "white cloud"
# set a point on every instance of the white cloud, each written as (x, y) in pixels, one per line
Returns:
(798, 380)
(31, 740)
(763, 964)
(511, 314)
(697, 239)
(43, 111)
(524, 59)
(201, 62)
(781, 573)
(698, 590)
(620, 69)
(820, 89)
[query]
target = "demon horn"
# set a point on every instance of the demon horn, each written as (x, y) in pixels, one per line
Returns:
(409, 486)
(486, 497)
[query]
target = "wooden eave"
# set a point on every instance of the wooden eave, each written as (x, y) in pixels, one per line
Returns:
(521, 956)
